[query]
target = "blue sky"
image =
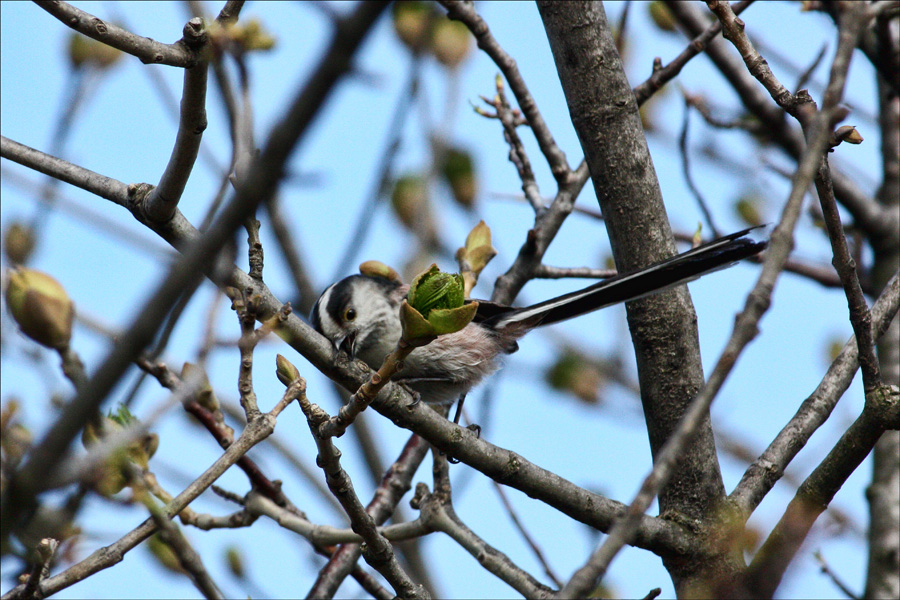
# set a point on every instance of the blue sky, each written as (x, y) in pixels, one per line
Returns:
(125, 132)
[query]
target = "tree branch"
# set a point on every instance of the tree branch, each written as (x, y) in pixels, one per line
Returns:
(179, 54)
(163, 200)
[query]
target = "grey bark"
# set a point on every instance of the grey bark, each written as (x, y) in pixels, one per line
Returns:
(663, 327)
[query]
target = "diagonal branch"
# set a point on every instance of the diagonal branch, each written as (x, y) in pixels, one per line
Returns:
(881, 412)
(198, 258)
(179, 54)
(762, 475)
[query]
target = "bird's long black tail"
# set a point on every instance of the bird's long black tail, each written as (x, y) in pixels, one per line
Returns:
(717, 254)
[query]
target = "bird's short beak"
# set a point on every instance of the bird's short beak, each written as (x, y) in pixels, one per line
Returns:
(347, 344)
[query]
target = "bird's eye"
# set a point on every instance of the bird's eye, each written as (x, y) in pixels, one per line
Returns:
(349, 314)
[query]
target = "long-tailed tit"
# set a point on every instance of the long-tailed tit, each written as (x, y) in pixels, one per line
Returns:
(360, 315)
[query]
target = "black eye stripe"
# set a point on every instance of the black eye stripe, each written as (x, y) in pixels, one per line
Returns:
(337, 298)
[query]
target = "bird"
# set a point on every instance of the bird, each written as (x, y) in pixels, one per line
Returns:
(360, 315)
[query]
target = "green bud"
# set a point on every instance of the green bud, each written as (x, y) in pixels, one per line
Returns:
(416, 329)
(235, 561)
(435, 306)
(478, 250)
(112, 479)
(575, 374)
(204, 395)
(374, 268)
(451, 320)
(286, 372)
(18, 243)
(662, 16)
(410, 199)
(748, 209)
(252, 36)
(459, 171)
(436, 289)
(475, 255)
(164, 554)
(412, 23)
(41, 307)
(88, 51)
(450, 42)
(123, 416)
(16, 441)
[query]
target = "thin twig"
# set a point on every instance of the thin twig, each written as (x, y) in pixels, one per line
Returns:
(762, 475)
(823, 566)
(378, 553)
(662, 75)
(547, 272)
(532, 543)
(465, 12)
(686, 169)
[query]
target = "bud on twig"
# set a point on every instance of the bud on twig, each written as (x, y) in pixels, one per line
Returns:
(41, 307)
(18, 243)
(450, 42)
(374, 268)
(849, 134)
(459, 172)
(475, 255)
(436, 306)
(204, 395)
(286, 372)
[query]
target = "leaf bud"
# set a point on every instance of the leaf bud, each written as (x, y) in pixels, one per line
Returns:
(18, 243)
(849, 134)
(88, 51)
(286, 372)
(41, 307)
(410, 199)
(435, 289)
(204, 393)
(459, 172)
(412, 23)
(450, 42)
(374, 268)
(662, 16)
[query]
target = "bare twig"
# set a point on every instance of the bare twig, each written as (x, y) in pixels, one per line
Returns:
(532, 543)
(865, 211)
(43, 557)
(385, 169)
(517, 154)
(378, 551)
(438, 515)
(823, 566)
(261, 183)
(394, 485)
(466, 13)
(662, 75)
(686, 169)
(547, 272)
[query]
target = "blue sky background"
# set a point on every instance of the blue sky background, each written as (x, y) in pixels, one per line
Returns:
(125, 132)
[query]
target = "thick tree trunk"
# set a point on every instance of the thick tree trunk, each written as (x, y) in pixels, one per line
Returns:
(663, 327)
(883, 575)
